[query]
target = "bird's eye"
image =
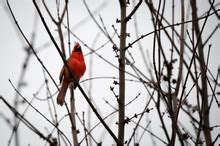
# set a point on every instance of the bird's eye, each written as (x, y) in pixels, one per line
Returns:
(78, 49)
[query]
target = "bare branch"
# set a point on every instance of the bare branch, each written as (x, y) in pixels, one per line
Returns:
(133, 11)
(176, 24)
(26, 122)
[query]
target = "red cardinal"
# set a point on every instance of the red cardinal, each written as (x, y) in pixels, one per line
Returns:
(77, 66)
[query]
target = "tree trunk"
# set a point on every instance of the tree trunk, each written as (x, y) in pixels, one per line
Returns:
(121, 101)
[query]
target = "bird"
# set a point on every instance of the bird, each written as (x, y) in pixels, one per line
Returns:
(77, 66)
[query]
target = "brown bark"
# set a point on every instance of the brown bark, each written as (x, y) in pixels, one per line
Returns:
(121, 102)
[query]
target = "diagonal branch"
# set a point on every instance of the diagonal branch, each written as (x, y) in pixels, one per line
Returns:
(48, 11)
(26, 122)
(30, 45)
(38, 110)
(75, 81)
(172, 25)
(133, 11)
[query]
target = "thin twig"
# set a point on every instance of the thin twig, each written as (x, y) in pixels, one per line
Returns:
(133, 11)
(75, 81)
(30, 45)
(176, 24)
(25, 121)
(38, 111)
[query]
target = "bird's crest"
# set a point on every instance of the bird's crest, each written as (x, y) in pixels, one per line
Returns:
(77, 47)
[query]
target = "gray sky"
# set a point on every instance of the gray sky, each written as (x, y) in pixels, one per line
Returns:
(12, 56)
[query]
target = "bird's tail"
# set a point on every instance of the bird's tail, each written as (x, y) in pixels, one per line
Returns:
(62, 92)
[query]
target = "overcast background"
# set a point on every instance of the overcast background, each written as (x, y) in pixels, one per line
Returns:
(12, 56)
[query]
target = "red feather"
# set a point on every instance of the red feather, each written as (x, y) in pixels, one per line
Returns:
(77, 66)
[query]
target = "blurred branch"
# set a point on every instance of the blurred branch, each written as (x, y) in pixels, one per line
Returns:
(211, 35)
(139, 44)
(110, 77)
(102, 30)
(168, 26)
(27, 123)
(85, 130)
(157, 72)
(38, 111)
(53, 104)
(30, 45)
(6, 119)
(72, 116)
(90, 88)
(18, 122)
(75, 81)
(59, 24)
(76, 26)
(179, 80)
(109, 62)
(204, 116)
(21, 83)
(194, 54)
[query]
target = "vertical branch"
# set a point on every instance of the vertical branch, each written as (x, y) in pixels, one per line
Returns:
(90, 95)
(60, 33)
(21, 82)
(155, 14)
(55, 120)
(68, 28)
(73, 118)
(72, 97)
(79, 87)
(27, 123)
(204, 91)
(91, 85)
(84, 128)
(179, 77)
(121, 101)
(58, 23)
(172, 35)
(194, 56)
(180, 54)
(139, 44)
